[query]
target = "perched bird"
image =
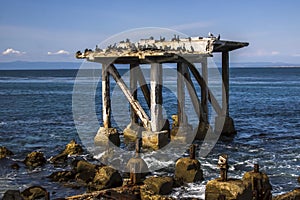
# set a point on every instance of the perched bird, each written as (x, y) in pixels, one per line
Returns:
(219, 36)
(210, 34)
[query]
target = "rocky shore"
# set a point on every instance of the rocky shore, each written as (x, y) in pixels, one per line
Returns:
(105, 182)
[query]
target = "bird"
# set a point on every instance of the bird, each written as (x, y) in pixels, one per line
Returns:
(219, 36)
(210, 34)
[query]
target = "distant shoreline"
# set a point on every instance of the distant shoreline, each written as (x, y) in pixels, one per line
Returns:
(23, 65)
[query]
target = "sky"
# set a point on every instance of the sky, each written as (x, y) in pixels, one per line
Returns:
(54, 30)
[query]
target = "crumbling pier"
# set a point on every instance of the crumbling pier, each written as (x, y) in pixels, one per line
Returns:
(185, 52)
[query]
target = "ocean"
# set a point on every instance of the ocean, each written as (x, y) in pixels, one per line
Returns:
(36, 115)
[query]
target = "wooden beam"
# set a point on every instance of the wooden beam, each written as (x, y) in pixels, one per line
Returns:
(134, 103)
(193, 94)
(204, 91)
(106, 102)
(143, 84)
(225, 80)
(202, 83)
(156, 96)
(133, 90)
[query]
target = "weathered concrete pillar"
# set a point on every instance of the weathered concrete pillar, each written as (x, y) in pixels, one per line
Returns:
(106, 102)
(156, 138)
(156, 96)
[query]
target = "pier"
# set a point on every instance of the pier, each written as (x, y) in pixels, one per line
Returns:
(184, 52)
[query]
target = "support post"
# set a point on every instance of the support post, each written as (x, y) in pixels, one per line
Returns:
(135, 104)
(180, 94)
(225, 80)
(204, 91)
(193, 94)
(156, 96)
(201, 82)
(133, 90)
(143, 84)
(106, 103)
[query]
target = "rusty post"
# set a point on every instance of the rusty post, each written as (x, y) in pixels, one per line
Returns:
(135, 173)
(193, 151)
(138, 146)
(223, 165)
(256, 168)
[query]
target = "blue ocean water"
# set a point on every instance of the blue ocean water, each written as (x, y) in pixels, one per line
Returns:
(36, 114)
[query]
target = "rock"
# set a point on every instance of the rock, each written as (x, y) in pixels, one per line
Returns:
(188, 170)
(253, 184)
(59, 159)
(72, 148)
(159, 185)
(12, 195)
(260, 181)
(85, 172)
(62, 176)
(298, 179)
(35, 192)
(231, 189)
(175, 121)
(292, 195)
(15, 166)
(104, 135)
(131, 132)
(4, 152)
(155, 140)
(183, 134)
(146, 194)
(106, 177)
(35, 159)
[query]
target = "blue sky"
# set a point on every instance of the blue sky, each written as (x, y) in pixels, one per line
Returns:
(55, 30)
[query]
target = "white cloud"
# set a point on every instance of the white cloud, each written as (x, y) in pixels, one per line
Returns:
(60, 52)
(12, 51)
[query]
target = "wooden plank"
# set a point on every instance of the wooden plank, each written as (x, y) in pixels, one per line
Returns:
(134, 103)
(106, 102)
(225, 80)
(133, 90)
(156, 96)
